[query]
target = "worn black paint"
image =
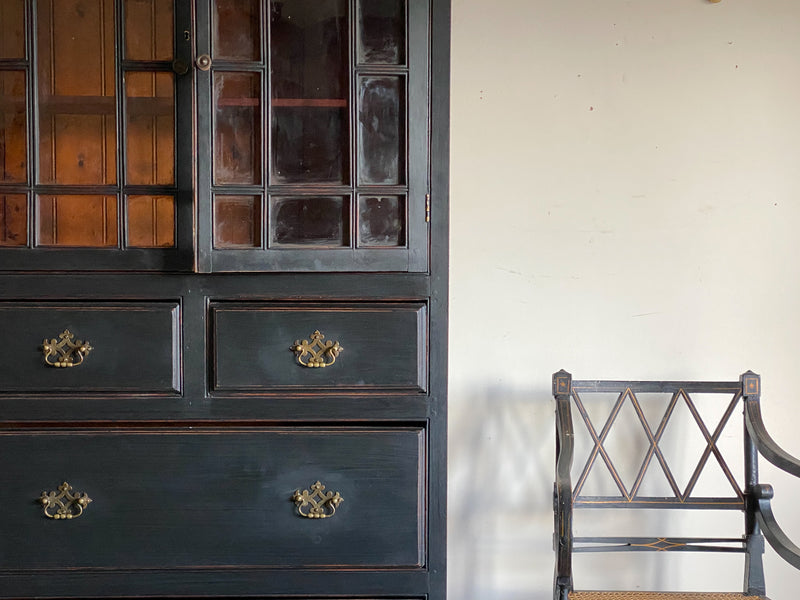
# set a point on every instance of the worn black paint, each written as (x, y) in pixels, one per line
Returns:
(172, 498)
(174, 397)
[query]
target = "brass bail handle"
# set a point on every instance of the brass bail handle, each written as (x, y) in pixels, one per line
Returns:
(65, 351)
(63, 504)
(316, 503)
(316, 353)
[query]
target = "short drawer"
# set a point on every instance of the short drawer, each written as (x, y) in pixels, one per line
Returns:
(89, 347)
(206, 497)
(333, 347)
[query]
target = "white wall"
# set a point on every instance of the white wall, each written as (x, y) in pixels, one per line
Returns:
(624, 203)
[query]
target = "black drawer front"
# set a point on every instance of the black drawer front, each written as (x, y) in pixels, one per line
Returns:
(377, 347)
(133, 347)
(181, 498)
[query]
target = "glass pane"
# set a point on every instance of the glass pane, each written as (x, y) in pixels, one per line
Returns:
(149, 29)
(13, 220)
(77, 106)
(309, 63)
(237, 131)
(151, 221)
(381, 221)
(309, 145)
(237, 221)
(12, 29)
(317, 221)
(81, 221)
(13, 130)
(150, 142)
(236, 30)
(381, 130)
(381, 31)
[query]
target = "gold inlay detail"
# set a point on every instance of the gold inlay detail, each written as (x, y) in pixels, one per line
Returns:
(316, 353)
(63, 504)
(64, 352)
(316, 504)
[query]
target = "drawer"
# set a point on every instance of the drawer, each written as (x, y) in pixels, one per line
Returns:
(214, 497)
(332, 347)
(132, 347)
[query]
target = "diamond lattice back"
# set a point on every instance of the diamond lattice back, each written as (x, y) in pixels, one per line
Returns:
(679, 398)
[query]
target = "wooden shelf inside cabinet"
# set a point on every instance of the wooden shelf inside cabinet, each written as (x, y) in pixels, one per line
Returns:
(286, 102)
(103, 105)
(78, 105)
(309, 102)
(12, 104)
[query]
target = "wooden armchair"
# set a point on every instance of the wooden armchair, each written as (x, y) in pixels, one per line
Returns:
(750, 497)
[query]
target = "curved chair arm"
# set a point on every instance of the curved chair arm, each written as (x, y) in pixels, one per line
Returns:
(785, 548)
(766, 446)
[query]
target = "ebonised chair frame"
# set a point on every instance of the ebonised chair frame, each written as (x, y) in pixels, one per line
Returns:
(753, 498)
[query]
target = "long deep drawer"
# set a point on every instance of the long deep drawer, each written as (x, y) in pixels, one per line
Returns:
(203, 497)
(262, 347)
(90, 347)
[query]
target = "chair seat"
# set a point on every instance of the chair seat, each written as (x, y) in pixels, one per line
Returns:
(662, 596)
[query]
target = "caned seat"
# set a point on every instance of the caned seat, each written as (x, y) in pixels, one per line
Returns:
(652, 407)
(662, 596)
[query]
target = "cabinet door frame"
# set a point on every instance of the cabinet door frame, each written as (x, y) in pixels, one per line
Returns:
(413, 256)
(117, 257)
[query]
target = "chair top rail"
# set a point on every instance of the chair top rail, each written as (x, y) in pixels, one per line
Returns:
(700, 387)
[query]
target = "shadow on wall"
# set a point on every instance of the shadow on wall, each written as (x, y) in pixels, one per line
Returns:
(500, 495)
(501, 459)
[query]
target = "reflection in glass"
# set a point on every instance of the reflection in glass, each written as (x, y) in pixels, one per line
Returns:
(381, 31)
(13, 220)
(322, 221)
(151, 221)
(381, 221)
(12, 29)
(79, 221)
(76, 82)
(309, 83)
(381, 130)
(309, 144)
(150, 116)
(148, 29)
(237, 221)
(13, 130)
(236, 31)
(237, 131)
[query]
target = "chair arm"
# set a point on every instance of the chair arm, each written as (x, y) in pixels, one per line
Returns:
(766, 446)
(785, 548)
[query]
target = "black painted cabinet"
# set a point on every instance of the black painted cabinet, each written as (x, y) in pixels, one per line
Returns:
(223, 295)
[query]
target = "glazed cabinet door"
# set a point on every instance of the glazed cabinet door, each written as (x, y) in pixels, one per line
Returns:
(95, 135)
(313, 135)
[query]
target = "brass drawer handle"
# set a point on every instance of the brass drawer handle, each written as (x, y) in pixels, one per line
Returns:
(317, 504)
(64, 352)
(64, 504)
(322, 354)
